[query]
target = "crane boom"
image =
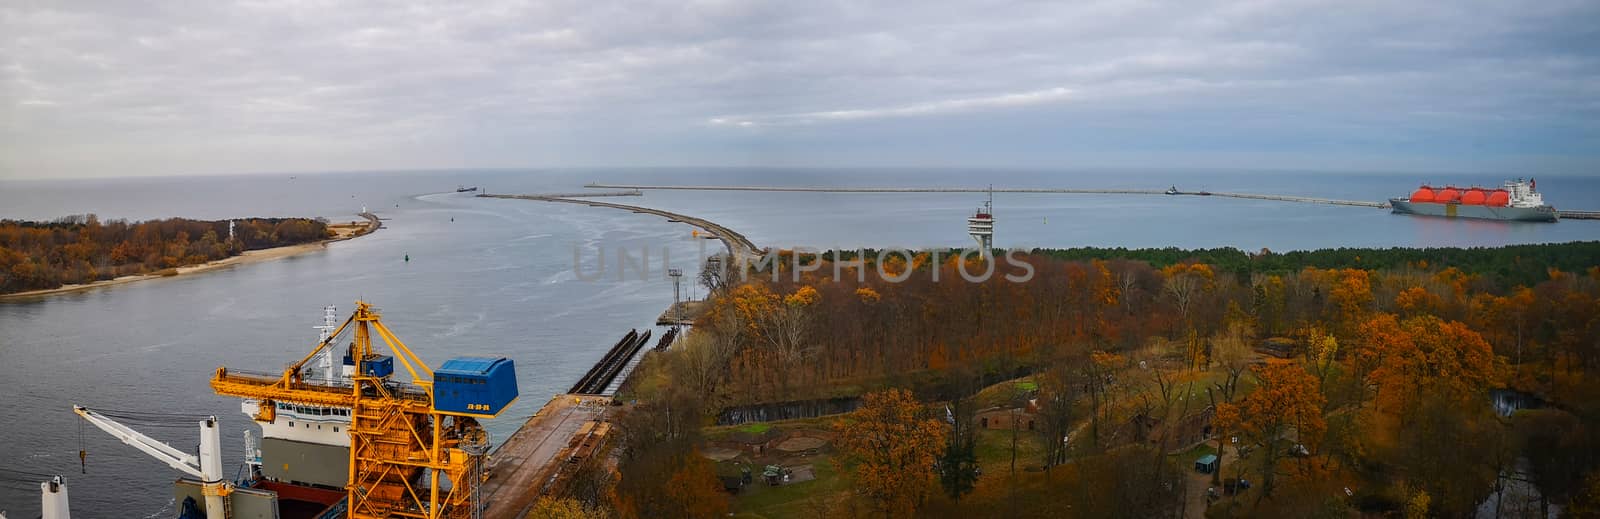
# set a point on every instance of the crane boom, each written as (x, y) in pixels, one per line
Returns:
(175, 458)
(207, 466)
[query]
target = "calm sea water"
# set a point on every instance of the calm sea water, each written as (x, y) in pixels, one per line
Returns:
(495, 277)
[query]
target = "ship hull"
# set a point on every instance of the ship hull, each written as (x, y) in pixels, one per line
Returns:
(1482, 212)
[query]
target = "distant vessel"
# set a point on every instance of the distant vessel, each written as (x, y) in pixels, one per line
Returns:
(1516, 200)
(465, 189)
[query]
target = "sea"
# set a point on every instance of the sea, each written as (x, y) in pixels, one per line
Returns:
(553, 286)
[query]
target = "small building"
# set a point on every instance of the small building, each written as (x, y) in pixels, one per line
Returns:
(1001, 418)
(1206, 464)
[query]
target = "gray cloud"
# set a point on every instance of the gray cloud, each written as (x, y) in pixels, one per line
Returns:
(120, 88)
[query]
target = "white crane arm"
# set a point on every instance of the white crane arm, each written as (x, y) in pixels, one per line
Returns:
(177, 459)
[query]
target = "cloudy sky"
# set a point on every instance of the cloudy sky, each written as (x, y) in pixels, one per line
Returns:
(112, 88)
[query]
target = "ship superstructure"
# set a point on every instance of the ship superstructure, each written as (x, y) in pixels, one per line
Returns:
(323, 425)
(416, 449)
(1516, 200)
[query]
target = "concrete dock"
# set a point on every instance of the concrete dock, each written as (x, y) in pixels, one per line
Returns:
(524, 466)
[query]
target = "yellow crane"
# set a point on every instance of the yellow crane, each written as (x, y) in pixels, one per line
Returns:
(416, 449)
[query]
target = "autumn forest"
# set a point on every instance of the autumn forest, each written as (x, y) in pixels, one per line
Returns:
(83, 249)
(1416, 387)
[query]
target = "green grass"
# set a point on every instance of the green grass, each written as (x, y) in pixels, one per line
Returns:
(761, 501)
(721, 432)
(994, 450)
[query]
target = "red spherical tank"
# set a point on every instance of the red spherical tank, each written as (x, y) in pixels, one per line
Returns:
(1498, 198)
(1422, 194)
(1447, 195)
(1474, 196)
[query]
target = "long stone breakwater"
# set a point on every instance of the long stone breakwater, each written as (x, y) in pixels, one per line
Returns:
(738, 245)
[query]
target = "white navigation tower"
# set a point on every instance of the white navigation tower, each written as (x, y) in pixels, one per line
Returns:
(981, 225)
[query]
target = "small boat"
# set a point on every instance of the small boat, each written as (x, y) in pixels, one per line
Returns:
(1172, 190)
(465, 189)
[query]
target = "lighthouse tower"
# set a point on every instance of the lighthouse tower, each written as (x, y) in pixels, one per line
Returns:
(981, 225)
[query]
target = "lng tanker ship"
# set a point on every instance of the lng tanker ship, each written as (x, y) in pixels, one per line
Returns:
(1516, 200)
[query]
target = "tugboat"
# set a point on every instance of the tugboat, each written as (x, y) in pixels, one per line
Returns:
(1516, 200)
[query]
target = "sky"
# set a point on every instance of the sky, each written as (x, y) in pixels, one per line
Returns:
(106, 88)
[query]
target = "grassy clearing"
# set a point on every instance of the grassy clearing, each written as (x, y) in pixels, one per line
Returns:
(994, 450)
(1003, 394)
(795, 500)
(722, 432)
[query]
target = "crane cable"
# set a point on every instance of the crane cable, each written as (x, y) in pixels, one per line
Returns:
(23, 480)
(142, 419)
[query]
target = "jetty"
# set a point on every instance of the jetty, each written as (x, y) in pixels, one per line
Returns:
(1567, 214)
(1043, 190)
(738, 246)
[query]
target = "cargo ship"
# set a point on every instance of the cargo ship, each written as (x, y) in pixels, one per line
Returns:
(1516, 200)
(341, 435)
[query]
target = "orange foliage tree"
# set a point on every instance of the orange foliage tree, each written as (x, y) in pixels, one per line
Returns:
(1424, 354)
(892, 445)
(691, 491)
(1286, 400)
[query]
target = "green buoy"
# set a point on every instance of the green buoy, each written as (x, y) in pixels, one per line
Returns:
(408, 258)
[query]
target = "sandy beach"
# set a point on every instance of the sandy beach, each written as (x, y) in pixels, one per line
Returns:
(342, 231)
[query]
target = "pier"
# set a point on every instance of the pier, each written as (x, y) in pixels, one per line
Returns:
(1044, 190)
(738, 246)
(598, 380)
(569, 429)
(1564, 214)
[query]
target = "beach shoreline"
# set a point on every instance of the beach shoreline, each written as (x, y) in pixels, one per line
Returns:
(343, 231)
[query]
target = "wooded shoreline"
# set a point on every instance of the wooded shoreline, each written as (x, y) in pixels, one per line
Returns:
(342, 232)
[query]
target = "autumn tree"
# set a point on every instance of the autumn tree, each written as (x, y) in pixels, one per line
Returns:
(1058, 397)
(670, 482)
(1098, 379)
(1555, 444)
(1422, 355)
(1286, 401)
(565, 508)
(1233, 356)
(888, 447)
(1185, 282)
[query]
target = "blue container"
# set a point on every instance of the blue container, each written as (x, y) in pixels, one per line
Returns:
(378, 366)
(474, 386)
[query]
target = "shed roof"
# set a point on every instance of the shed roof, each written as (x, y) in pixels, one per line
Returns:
(469, 365)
